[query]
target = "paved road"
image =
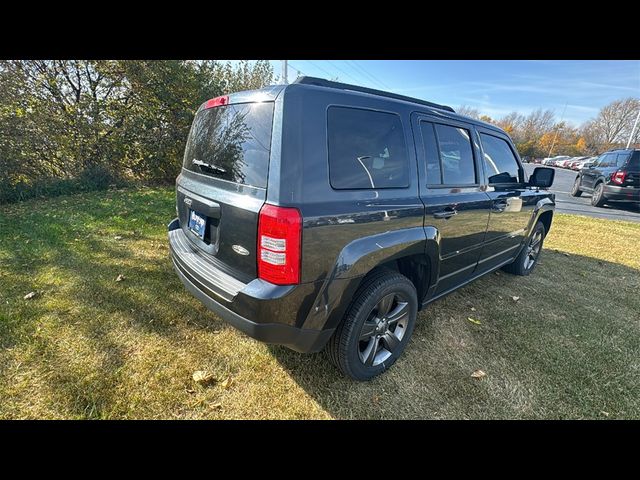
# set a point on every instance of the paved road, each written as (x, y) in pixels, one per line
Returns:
(565, 203)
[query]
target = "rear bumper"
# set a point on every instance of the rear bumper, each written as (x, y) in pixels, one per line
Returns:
(622, 194)
(250, 307)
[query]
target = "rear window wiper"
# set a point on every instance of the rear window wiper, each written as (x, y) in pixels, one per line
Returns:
(210, 166)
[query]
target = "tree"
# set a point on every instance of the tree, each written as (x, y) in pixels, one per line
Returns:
(65, 119)
(468, 111)
(612, 127)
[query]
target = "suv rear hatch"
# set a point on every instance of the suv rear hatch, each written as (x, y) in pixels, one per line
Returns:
(633, 171)
(223, 181)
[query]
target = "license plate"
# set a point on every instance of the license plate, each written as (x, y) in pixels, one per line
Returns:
(197, 223)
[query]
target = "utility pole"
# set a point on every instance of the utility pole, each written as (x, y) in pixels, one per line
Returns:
(284, 72)
(557, 130)
(633, 130)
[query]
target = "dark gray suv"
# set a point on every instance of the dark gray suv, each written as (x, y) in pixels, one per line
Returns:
(320, 214)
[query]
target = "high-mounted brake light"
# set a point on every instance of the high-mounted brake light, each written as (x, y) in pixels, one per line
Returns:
(279, 238)
(618, 177)
(217, 102)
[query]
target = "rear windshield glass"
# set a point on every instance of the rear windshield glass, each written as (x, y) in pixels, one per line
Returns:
(634, 163)
(232, 142)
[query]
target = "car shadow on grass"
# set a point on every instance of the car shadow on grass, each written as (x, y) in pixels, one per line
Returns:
(560, 343)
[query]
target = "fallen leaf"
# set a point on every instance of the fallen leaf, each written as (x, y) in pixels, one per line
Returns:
(190, 391)
(117, 237)
(473, 309)
(566, 254)
(606, 414)
(515, 299)
(29, 295)
(216, 405)
(473, 320)
(120, 278)
(376, 399)
(478, 374)
(497, 273)
(203, 377)
(227, 383)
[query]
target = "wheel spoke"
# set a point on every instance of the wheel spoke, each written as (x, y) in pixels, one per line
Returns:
(370, 353)
(398, 313)
(390, 341)
(385, 305)
(368, 329)
(536, 241)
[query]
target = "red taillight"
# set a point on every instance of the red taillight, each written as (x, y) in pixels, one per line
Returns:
(279, 238)
(618, 177)
(216, 102)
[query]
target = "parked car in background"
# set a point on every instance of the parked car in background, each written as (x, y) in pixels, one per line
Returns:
(319, 214)
(552, 161)
(615, 176)
(571, 161)
(583, 163)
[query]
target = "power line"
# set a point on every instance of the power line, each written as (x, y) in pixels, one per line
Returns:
(319, 67)
(293, 67)
(347, 74)
(366, 72)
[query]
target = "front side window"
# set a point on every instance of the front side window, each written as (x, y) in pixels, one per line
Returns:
(606, 160)
(367, 149)
(456, 155)
(499, 161)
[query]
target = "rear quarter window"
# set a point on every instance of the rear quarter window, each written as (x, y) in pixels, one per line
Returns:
(367, 149)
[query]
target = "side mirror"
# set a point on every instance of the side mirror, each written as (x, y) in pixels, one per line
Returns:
(591, 165)
(542, 177)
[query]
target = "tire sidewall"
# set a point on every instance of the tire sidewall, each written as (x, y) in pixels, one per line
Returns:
(598, 192)
(409, 292)
(576, 186)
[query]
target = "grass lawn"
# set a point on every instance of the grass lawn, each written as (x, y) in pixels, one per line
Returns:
(87, 346)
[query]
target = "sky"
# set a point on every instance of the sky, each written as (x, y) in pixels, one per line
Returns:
(494, 87)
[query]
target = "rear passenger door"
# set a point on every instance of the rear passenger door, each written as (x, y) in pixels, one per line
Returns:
(450, 187)
(590, 175)
(512, 204)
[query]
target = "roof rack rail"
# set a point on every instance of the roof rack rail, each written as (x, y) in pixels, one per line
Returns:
(321, 82)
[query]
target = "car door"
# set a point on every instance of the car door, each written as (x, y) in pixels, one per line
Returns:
(455, 203)
(512, 203)
(593, 172)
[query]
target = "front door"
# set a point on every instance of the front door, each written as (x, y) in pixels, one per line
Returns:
(455, 203)
(512, 204)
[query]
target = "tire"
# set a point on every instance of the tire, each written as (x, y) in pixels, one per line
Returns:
(528, 257)
(575, 191)
(597, 197)
(365, 344)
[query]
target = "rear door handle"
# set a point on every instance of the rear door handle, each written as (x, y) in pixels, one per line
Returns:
(446, 213)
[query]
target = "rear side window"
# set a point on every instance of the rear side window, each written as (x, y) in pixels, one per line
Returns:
(456, 155)
(621, 159)
(634, 163)
(434, 172)
(232, 142)
(500, 162)
(367, 149)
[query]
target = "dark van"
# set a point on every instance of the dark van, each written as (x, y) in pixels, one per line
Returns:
(320, 214)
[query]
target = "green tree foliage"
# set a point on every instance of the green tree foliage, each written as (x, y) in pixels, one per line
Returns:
(92, 123)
